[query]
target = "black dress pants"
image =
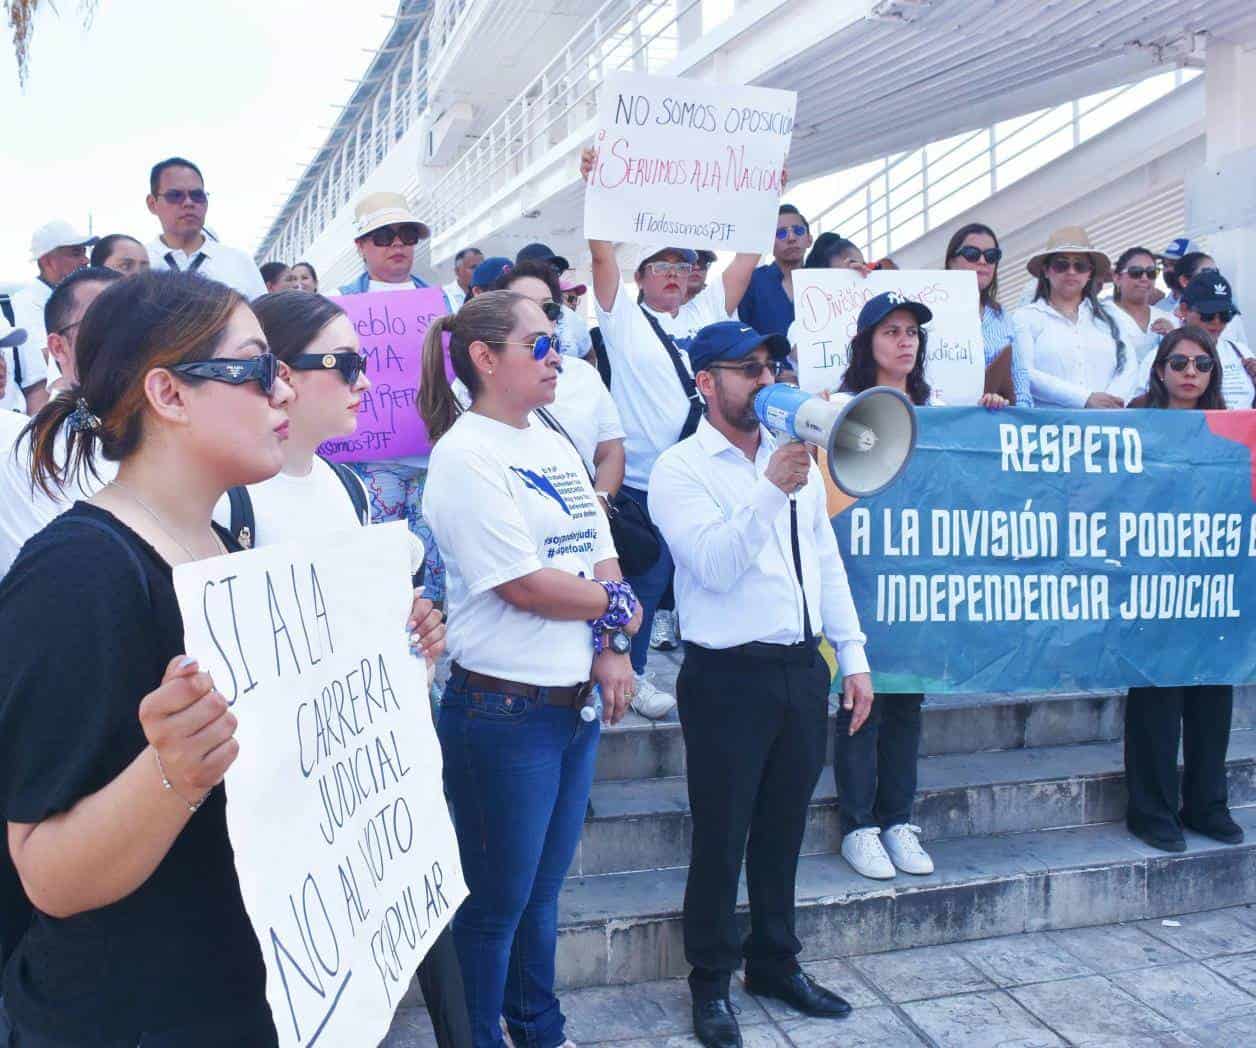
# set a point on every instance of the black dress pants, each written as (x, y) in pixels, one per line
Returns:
(754, 732)
(875, 769)
(1156, 719)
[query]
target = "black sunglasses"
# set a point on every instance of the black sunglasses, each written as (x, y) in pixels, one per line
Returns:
(1077, 265)
(177, 196)
(1225, 316)
(1178, 362)
(750, 369)
(349, 363)
(262, 369)
(552, 310)
(975, 254)
(1138, 272)
(407, 233)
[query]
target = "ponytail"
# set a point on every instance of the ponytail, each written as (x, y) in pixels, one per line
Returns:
(65, 412)
(438, 406)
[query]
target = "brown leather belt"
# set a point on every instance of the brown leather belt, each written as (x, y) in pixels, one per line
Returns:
(570, 696)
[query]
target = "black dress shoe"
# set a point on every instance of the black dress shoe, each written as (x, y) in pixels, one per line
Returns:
(800, 991)
(714, 1023)
(1163, 840)
(1219, 827)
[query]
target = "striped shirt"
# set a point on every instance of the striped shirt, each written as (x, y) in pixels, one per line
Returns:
(996, 331)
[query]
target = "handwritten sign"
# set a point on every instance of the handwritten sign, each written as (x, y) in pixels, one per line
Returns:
(391, 325)
(687, 163)
(827, 304)
(347, 859)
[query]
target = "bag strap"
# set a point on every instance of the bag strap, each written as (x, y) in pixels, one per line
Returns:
(553, 423)
(243, 525)
(354, 489)
(686, 379)
(100, 525)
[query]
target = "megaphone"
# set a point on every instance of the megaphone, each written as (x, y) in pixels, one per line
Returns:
(868, 437)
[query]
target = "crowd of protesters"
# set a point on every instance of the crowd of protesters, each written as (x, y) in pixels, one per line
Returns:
(126, 364)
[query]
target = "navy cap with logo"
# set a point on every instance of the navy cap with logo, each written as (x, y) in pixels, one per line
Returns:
(542, 253)
(732, 340)
(1209, 292)
(879, 307)
(488, 272)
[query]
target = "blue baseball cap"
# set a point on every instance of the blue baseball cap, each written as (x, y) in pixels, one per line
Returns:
(881, 306)
(1209, 292)
(1179, 248)
(732, 340)
(488, 272)
(685, 254)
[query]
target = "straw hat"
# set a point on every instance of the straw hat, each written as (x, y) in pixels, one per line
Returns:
(1072, 240)
(377, 210)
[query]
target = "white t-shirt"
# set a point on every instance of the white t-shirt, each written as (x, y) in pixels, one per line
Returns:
(28, 312)
(573, 334)
(227, 265)
(1236, 384)
(504, 503)
(24, 512)
(11, 424)
(380, 285)
(288, 508)
(644, 385)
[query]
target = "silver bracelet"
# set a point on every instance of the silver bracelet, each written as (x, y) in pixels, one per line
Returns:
(167, 784)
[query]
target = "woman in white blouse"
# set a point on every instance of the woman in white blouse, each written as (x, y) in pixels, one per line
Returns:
(1071, 344)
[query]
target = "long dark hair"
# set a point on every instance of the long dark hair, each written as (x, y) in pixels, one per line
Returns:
(990, 296)
(292, 319)
(1091, 294)
(826, 248)
(151, 320)
(1158, 394)
(861, 372)
(105, 245)
(488, 317)
(1124, 260)
(1186, 267)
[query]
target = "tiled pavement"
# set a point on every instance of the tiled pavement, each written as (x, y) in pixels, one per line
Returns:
(1154, 983)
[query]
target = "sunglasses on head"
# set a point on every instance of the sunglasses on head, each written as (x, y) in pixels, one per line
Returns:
(262, 369)
(750, 369)
(1225, 316)
(1178, 361)
(540, 346)
(784, 231)
(975, 254)
(349, 363)
(177, 196)
(1138, 272)
(1077, 265)
(407, 233)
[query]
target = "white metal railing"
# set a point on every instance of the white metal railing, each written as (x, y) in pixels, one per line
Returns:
(914, 192)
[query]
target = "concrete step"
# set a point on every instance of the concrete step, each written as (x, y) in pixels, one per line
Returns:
(646, 825)
(641, 749)
(626, 928)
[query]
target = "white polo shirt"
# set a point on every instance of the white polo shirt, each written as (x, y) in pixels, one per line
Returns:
(1068, 361)
(227, 265)
(728, 529)
(651, 402)
(1236, 384)
(28, 313)
(504, 503)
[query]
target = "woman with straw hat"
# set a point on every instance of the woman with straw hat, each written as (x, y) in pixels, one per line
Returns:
(1069, 341)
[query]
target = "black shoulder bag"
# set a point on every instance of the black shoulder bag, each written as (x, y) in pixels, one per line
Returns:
(243, 525)
(686, 379)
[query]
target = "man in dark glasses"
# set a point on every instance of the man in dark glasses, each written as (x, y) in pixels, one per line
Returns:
(387, 232)
(769, 301)
(1208, 302)
(176, 195)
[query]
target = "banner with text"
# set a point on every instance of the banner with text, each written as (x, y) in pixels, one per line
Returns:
(347, 858)
(827, 304)
(1045, 550)
(391, 325)
(687, 163)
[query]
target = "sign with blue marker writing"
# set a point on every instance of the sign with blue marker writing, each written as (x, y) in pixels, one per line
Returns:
(346, 855)
(1045, 550)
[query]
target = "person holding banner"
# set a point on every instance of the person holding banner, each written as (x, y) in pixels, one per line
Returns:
(759, 580)
(1186, 375)
(111, 760)
(538, 613)
(1069, 341)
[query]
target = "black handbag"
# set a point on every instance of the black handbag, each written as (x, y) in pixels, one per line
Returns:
(636, 540)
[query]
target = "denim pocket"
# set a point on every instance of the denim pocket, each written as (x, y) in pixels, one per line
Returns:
(496, 706)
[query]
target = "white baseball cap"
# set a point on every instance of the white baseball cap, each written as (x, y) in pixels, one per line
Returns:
(55, 234)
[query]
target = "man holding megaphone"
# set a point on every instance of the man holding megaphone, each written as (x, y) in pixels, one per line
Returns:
(759, 580)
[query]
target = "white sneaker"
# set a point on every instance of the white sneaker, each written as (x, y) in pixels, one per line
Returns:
(863, 850)
(649, 701)
(903, 847)
(663, 631)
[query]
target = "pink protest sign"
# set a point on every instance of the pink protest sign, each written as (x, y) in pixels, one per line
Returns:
(391, 325)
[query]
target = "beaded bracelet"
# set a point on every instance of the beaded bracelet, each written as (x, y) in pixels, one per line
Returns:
(165, 781)
(621, 605)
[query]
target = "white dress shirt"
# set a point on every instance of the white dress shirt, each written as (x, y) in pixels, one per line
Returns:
(1067, 360)
(454, 295)
(227, 265)
(728, 529)
(28, 313)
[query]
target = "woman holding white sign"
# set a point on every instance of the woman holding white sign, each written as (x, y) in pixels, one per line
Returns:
(538, 613)
(111, 756)
(1185, 375)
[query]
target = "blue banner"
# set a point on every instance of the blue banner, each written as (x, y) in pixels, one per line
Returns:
(1043, 550)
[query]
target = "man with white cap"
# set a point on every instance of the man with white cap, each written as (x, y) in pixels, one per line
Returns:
(176, 195)
(386, 234)
(57, 249)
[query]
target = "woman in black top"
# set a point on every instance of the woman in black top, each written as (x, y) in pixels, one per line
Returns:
(1185, 375)
(112, 743)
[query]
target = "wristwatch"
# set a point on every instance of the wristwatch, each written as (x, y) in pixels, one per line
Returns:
(618, 642)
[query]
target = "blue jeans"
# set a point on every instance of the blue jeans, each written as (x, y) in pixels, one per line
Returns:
(396, 493)
(649, 587)
(517, 775)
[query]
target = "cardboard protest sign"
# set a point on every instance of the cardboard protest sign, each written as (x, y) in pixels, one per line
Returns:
(347, 859)
(687, 163)
(391, 325)
(827, 304)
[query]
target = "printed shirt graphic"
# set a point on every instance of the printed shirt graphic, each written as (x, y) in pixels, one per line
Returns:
(503, 503)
